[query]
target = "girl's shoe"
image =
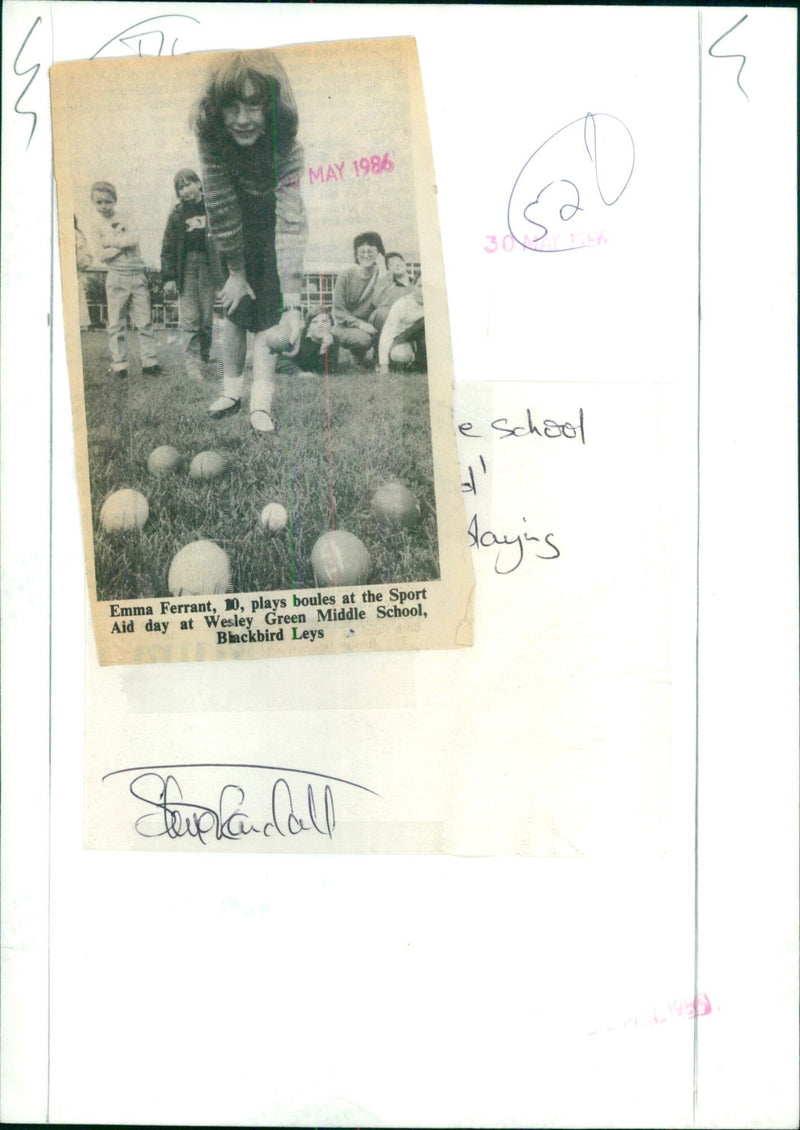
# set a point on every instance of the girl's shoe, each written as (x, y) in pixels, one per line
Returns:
(223, 406)
(261, 422)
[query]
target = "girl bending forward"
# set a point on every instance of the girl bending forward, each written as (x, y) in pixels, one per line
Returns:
(246, 127)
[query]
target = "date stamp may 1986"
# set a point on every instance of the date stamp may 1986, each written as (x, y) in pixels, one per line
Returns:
(373, 165)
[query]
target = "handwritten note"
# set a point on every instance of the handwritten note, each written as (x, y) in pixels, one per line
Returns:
(567, 511)
(510, 547)
(582, 169)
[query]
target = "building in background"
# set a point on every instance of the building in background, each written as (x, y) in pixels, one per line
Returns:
(318, 284)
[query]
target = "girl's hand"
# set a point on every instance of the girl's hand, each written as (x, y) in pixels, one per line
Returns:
(235, 289)
(368, 328)
(292, 324)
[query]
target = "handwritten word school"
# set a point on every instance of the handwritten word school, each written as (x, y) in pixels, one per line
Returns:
(363, 167)
(545, 429)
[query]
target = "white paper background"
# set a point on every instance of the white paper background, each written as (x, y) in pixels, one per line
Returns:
(389, 991)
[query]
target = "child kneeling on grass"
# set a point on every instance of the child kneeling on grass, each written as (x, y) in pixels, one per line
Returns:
(318, 351)
(246, 126)
(402, 340)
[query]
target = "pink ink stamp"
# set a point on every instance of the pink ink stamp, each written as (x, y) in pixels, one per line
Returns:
(374, 166)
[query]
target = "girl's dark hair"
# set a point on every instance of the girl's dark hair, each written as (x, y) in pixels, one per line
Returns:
(272, 88)
(370, 237)
(185, 176)
(394, 255)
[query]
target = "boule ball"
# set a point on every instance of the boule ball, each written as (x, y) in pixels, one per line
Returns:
(395, 505)
(163, 459)
(124, 510)
(274, 517)
(208, 465)
(200, 567)
(339, 558)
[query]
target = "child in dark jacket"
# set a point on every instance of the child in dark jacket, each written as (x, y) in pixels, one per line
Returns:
(186, 269)
(318, 352)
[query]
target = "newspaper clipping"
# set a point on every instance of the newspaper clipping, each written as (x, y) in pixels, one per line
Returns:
(259, 358)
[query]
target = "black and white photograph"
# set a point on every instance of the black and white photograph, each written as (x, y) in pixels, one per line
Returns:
(255, 362)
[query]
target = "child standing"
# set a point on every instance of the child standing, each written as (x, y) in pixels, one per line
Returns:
(83, 261)
(117, 245)
(246, 126)
(186, 269)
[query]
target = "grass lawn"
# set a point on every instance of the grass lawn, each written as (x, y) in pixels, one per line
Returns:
(337, 441)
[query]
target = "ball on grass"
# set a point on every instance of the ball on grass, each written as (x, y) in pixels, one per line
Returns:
(208, 465)
(163, 459)
(200, 567)
(274, 517)
(124, 510)
(395, 505)
(339, 558)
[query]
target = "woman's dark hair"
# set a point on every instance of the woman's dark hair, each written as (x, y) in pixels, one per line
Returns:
(227, 84)
(370, 237)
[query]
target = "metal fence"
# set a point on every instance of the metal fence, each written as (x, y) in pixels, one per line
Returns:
(317, 290)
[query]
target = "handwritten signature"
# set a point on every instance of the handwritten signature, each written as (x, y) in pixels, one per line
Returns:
(281, 809)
